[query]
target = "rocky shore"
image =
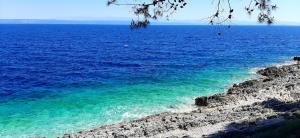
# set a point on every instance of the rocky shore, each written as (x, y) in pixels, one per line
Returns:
(246, 107)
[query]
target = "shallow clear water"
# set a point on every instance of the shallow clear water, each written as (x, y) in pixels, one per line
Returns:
(56, 79)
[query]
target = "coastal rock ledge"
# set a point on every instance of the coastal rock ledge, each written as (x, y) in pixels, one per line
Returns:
(253, 104)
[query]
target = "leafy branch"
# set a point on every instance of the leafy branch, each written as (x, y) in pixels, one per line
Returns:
(147, 10)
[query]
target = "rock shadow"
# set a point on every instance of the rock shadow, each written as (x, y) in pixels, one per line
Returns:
(287, 124)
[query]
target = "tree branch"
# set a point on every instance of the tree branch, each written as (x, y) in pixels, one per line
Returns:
(155, 9)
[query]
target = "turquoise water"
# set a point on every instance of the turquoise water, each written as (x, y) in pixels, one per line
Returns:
(79, 109)
(58, 79)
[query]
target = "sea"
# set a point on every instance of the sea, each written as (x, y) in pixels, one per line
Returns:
(57, 79)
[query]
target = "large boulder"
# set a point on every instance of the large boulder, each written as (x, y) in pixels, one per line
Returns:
(297, 58)
(201, 101)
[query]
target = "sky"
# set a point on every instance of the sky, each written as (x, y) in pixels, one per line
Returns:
(196, 10)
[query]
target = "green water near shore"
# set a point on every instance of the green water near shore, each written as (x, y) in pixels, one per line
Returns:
(75, 109)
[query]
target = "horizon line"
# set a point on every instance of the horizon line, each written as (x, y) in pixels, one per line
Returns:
(127, 22)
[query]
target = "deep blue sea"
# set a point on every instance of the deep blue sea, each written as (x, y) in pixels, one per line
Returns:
(57, 79)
